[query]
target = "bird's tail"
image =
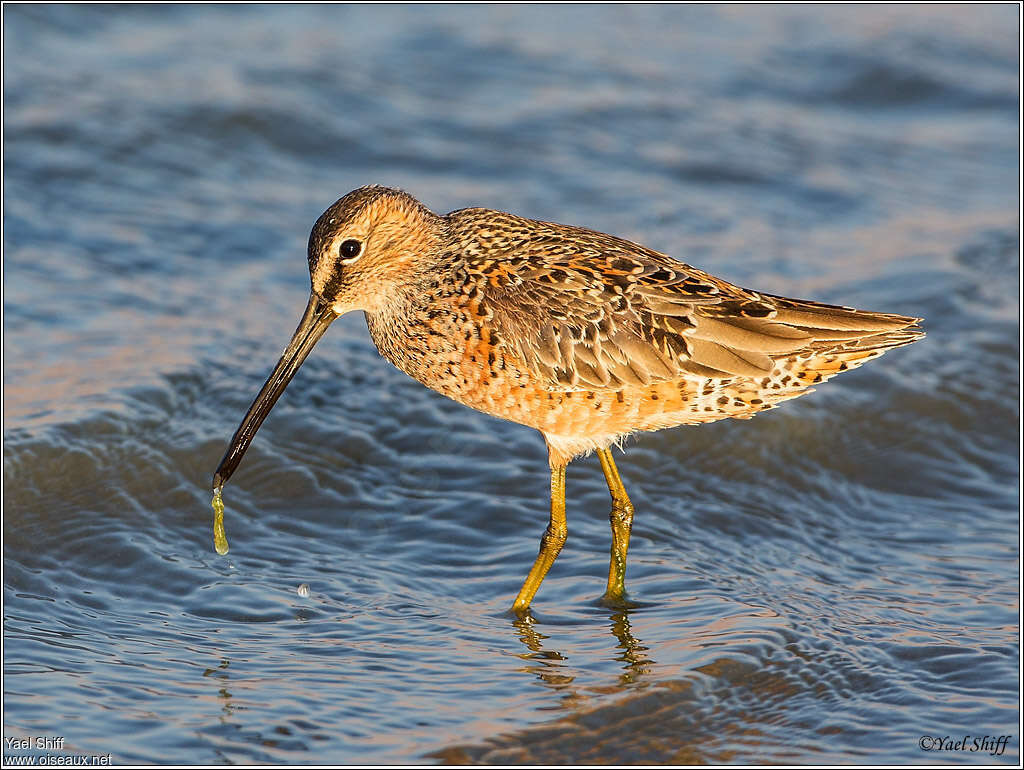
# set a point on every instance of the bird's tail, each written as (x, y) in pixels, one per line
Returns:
(840, 339)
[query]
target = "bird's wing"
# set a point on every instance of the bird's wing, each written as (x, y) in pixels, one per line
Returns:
(583, 311)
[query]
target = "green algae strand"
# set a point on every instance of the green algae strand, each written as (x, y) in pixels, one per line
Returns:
(220, 539)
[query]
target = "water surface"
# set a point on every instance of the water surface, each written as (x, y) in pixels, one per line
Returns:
(826, 583)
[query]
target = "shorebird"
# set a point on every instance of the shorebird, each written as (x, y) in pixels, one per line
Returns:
(582, 335)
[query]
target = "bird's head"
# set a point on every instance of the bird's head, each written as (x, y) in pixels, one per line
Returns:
(364, 253)
(364, 249)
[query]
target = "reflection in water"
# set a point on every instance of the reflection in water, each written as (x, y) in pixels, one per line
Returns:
(549, 665)
(668, 722)
(221, 673)
(637, 663)
(570, 733)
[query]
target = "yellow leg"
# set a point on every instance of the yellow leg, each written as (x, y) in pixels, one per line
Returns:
(550, 544)
(622, 524)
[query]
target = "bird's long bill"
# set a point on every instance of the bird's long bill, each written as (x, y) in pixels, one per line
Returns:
(314, 323)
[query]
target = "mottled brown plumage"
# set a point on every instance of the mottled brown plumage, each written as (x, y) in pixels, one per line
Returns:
(584, 336)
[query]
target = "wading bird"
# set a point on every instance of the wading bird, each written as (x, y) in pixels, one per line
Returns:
(584, 336)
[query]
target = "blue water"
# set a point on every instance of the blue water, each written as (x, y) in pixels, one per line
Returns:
(827, 583)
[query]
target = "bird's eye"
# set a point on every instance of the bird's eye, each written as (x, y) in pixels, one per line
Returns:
(350, 249)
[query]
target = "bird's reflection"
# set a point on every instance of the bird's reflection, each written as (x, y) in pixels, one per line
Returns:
(549, 664)
(633, 651)
(221, 673)
(546, 664)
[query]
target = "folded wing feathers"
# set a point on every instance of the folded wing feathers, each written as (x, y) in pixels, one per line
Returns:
(547, 347)
(769, 328)
(745, 338)
(726, 359)
(664, 308)
(644, 358)
(849, 321)
(667, 320)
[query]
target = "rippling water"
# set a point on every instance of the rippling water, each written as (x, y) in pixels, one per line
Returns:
(827, 583)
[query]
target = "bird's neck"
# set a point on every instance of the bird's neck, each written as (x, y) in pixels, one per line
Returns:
(399, 319)
(421, 324)
(396, 330)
